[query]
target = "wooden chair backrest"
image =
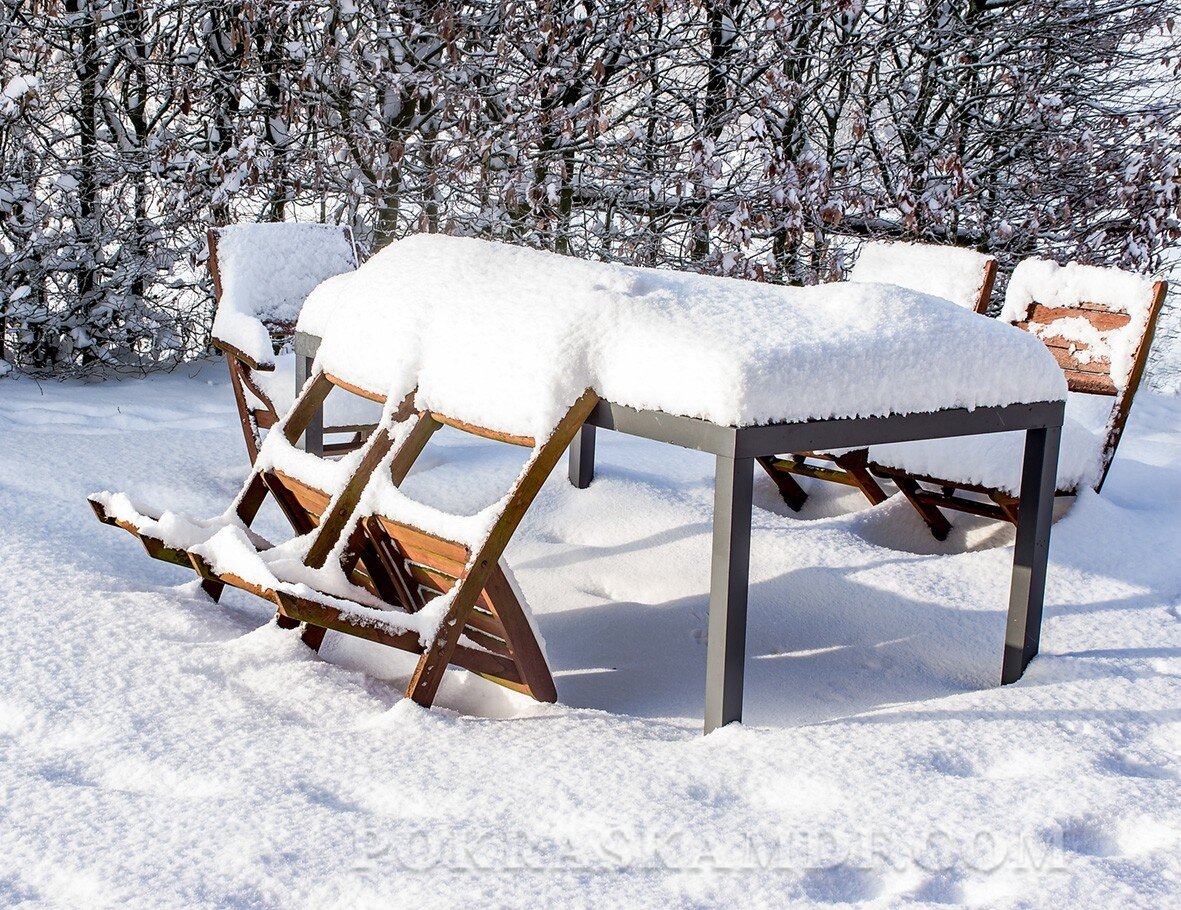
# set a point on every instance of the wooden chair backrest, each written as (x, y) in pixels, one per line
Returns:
(254, 419)
(905, 264)
(1085, 361)
(1085, 370)
(280, 330)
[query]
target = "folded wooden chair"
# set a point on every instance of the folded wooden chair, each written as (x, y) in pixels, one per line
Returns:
(262, 273)
(473, 614)
(963, 276)
(1099, 324)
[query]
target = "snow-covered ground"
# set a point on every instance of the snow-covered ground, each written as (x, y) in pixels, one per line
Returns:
(156, 750)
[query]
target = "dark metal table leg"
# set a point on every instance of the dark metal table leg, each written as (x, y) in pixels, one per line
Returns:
(1027, 593)
(312, 439)
(726, 652)
(582, 457)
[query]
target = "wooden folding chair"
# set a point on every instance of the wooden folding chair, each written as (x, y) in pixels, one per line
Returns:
(402, 568)
(276, 287)
(1092, 379)
(963, 276)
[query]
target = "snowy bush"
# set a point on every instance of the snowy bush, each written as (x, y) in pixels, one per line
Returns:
(758, 139)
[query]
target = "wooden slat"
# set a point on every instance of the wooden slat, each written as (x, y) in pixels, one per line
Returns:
(491, 666)
(1102, 318)
(365, 428)
(481, 618)
(313, 500)
(493, 643)
(527, 441)
(394, 565)
(429, 577)
(962, 504)
(1091, 383)
(330, 617)
(1068, 353)
(202, 568)
(357, 390)
(279, 329)
(1090, 376)
(1093, 377)
(819, 472)
(417, 542)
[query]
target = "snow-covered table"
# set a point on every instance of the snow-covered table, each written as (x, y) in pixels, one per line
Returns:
(728, 367)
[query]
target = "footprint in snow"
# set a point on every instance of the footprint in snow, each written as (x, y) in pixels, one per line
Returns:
(942, 888)
(1127, 766)
(951, 764)
(841, 885)
(1087, 837)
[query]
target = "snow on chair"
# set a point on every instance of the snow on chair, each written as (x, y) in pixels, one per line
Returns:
(368, 561)
(262, 273)
(1098, 323)
(963, 276)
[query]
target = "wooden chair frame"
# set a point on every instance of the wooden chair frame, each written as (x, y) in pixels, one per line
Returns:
(1080, 378)
(850, 468)
(254, 420)
(402, 565)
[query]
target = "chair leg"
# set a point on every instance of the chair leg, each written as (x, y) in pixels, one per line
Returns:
(936, 520)
(428, 675)
(1009, 505)
(793, 494)
(249, 428)
(856, 465)
(313, 636)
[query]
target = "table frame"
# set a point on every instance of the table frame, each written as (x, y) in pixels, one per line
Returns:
(736, 448)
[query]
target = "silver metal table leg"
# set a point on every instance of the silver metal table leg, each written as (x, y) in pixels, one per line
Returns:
(582, 457)
(1032, 550)
(312, 439)
(726, 653)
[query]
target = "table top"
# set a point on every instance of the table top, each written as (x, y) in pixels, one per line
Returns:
(510, 337)
(788, 436)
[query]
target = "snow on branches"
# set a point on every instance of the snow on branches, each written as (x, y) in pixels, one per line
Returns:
(754, 138)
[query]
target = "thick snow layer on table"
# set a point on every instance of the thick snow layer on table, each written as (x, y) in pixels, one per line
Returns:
(510, 337)
(951, 272)
(995, 459)
(266, 273)
(1050, 284)
(158, 750)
